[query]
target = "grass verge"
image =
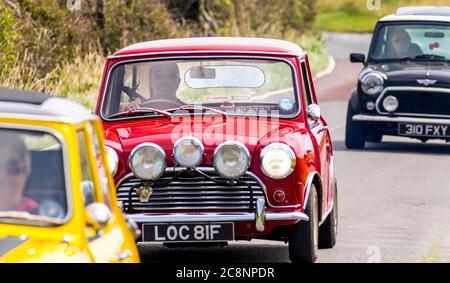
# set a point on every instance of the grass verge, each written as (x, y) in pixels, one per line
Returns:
(355, 16)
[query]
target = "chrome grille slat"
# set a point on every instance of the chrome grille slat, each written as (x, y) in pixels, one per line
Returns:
(172, 194)
(192, 193)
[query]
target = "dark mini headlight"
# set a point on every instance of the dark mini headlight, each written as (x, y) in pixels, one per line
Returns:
(372, 83)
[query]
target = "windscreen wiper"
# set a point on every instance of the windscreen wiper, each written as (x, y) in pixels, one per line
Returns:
(138, 111)
(199, 107)
(426, 57)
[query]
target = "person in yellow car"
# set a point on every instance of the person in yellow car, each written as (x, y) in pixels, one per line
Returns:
(15, 163)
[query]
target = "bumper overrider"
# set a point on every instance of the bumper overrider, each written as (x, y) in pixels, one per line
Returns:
(258, 213)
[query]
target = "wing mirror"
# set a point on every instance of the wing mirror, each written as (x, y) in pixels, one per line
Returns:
(313, 113)
(357, 58)
(98, 215)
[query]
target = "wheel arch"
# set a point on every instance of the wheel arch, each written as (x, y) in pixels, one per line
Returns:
(315, 180)
(354, 101)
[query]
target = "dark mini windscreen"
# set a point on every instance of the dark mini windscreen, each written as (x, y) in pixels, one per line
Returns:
(32, 184)
(238, 84)
(420, 41)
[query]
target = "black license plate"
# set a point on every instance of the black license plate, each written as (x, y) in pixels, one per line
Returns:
(424, 130)
(188, 232)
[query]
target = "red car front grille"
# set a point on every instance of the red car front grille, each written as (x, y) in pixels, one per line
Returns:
(191, 192)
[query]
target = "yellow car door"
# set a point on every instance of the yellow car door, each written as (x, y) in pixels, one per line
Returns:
(108, 238)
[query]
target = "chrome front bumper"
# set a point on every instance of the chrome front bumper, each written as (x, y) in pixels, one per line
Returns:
(260, 216)
(387, 119)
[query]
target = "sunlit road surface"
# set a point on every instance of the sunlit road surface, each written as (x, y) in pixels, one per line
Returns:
(394, 197)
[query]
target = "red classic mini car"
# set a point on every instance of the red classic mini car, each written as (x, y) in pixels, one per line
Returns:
(218, 139)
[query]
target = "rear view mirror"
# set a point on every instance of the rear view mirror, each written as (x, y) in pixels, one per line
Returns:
(202, 73)
(357, 58)
(432, 34)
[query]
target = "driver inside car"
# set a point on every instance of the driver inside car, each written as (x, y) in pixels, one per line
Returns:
(15, 168)
(399, 45)
(164, 80)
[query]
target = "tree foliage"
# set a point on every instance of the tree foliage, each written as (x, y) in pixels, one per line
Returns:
(44, 33)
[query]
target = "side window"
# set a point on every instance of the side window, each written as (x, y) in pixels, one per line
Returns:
(306, 86)
(87, 180)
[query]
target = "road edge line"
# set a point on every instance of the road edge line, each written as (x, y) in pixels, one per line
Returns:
(329, 69)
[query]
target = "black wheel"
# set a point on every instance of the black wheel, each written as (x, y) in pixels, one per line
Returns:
(328, 229)
(355, 133)
(304, 238)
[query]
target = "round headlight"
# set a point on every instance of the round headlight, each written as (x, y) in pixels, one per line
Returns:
(148, 161)
(231, 159)
(113, 160)
(188, 152)
(390, 103)
(372, 84)
(277, 160)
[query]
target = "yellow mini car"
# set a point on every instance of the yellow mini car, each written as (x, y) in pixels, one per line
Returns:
(57, 199)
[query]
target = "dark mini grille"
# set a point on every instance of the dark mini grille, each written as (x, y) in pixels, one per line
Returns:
(191, 192)
(418, 102)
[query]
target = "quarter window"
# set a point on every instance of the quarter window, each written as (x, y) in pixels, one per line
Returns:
(306, 86)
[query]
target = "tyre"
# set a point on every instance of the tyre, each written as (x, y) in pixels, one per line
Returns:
(376, 138)
(328, 229)
(355, 133)
(304, 238)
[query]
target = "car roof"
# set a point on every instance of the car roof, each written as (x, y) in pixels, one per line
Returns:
(213, 45)
(420, 13)
(37, 105)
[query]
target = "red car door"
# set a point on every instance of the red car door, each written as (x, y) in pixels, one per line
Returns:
(319, 130)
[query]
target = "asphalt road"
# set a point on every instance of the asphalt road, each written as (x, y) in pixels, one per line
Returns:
(393, 197)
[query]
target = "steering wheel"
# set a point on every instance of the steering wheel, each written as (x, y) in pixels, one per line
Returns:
(151, 101)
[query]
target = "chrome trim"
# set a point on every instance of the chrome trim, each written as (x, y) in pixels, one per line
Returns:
(275, 57)
(289, 151)
(300, 55)
(260, 216)
(197, 143)
(210, 169)
(215, 217)
(387, 119)
(66, 162)
(241, 147)
(401, 88)
(158, 149)
(309, 182)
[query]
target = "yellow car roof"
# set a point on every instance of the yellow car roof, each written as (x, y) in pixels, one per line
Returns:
(39, 106)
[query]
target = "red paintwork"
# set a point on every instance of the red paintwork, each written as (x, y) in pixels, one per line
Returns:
(313, 148)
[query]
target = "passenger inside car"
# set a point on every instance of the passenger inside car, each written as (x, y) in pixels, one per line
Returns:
(15, 168)
(399, 44)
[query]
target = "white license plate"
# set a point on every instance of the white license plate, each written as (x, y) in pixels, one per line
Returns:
(188, 232)
(424, 130)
